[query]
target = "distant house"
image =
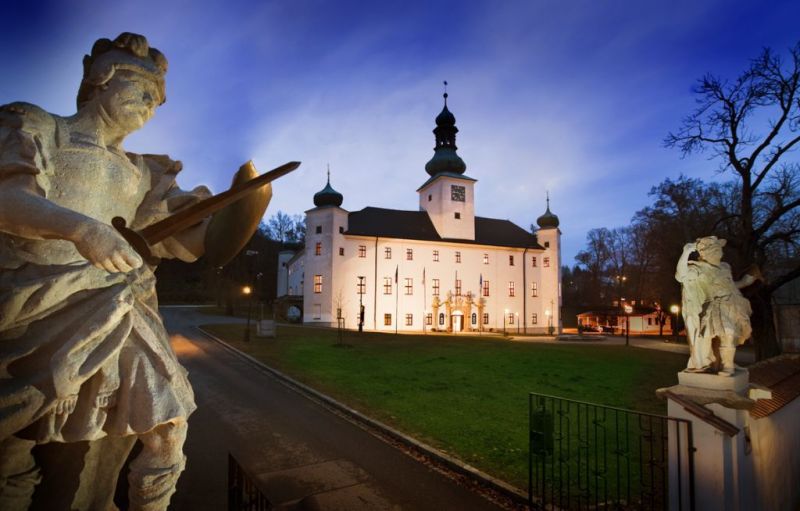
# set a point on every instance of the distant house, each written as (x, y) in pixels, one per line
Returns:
(643, 321)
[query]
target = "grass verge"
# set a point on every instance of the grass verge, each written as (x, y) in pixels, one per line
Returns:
(467, 396)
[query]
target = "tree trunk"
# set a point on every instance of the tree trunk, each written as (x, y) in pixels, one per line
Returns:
(765, 338)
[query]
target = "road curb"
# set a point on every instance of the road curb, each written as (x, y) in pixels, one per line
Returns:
(450, 463)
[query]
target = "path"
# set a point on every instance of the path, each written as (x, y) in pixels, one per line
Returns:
(304, 456)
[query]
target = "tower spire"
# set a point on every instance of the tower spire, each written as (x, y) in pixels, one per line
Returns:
(445, 158)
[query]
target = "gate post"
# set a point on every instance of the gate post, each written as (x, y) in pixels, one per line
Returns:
(716, 407)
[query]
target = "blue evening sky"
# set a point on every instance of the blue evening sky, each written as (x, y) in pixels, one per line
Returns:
(571, 96)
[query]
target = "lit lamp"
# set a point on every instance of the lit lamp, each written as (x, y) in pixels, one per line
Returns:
(675, 310)
(628, 309)
(505, 313)
(248, 291)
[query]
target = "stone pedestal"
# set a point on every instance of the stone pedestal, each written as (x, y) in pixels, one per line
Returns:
(717, 407)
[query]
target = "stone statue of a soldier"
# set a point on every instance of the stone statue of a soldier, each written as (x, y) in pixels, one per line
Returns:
(83, 351)
(713, 306)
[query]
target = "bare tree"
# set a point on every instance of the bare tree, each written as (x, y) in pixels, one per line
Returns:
(751, 126)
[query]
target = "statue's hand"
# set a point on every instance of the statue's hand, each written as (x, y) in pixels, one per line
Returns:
(102, 246)
(690, 247)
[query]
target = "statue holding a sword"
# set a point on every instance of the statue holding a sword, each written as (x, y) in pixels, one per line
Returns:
(84, 355)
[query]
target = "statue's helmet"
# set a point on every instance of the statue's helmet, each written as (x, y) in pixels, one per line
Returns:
(709, 242)
(127, 52)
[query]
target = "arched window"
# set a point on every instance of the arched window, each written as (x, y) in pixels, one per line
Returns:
(441, 318)
(474, 318)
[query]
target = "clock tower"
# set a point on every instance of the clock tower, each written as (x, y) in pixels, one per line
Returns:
(448, 196)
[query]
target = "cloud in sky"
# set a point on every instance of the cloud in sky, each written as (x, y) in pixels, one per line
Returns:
(574, 98)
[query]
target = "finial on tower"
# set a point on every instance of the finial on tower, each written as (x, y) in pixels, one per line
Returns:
(547, 193)
(329, 173)
(445, 93)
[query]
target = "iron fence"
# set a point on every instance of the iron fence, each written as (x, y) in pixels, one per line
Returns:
(243, 494)
(588, 456)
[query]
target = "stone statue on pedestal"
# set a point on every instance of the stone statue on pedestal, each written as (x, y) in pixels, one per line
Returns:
(716, 315)
(84, 356)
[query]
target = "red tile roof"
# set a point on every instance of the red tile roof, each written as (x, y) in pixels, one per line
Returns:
(782, 376)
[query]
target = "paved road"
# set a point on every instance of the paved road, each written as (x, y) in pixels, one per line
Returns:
(305, 456)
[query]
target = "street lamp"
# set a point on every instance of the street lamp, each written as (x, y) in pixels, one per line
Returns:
(248, 291)
(674, 310)
(505, 313)
(628, 309)
(361, 303)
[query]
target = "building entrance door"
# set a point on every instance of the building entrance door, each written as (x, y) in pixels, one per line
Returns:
(458, 322)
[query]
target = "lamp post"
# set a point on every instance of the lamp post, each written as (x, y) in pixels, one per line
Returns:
(628, 309)
(361, 303)
(516, 318)
(505, 313)
(674, 310)
(248, 292)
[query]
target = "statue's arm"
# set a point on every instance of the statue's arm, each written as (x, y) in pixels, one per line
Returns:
(682, 271)
(25, 213)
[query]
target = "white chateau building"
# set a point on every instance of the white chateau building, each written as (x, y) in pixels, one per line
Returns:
(439, 268)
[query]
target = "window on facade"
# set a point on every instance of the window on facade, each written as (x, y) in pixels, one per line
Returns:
(317, 311)
(546, 244)
(341, 229)
(435, 256)
(409, 254)
(338, 313)
(362, 251)
(362, 286)
(474, 318)
(430, 197)
(485, 288)
(511, 260)
(435, 287)
(429, 319)
(485, 258)
(387, 253)
(387, 319)
(534, 289)
(441, 318)
(409, 320)
(458, 257)
(511, 288)
(510, 318)
(341, 251)
(533, 261)
(317, 283)
(318, 229)
(409, 286)
(534, 318)
(458, 215)
(387, 285)
(485, 318)
(458, 287)
(546, 262)
(318, 248)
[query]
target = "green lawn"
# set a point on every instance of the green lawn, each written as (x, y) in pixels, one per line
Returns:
(464, 395)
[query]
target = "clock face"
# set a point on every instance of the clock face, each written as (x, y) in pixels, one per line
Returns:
(458, 193)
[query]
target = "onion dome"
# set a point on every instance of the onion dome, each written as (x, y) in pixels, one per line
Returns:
(548, 220)
(328, 196)
(445, 158)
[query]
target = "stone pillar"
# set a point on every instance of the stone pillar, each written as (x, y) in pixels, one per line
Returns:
(717, 407)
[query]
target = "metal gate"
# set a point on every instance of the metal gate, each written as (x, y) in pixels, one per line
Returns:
(588, 456)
